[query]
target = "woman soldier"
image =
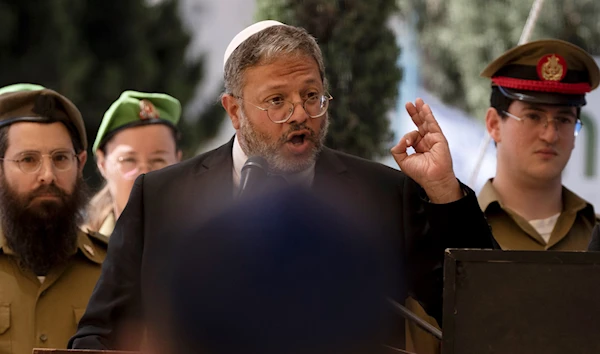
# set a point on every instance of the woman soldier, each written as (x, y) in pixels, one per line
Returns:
(138, 134)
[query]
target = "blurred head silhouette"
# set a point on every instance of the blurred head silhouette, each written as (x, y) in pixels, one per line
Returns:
(281, 273)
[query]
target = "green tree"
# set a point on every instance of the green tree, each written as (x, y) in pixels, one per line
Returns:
(458, 38)
(360, 54)
(93, 50)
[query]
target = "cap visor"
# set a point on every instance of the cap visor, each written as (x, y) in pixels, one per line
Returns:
(543, 97)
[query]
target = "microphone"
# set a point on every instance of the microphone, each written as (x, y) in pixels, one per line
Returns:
(411, 316)
(253, 175)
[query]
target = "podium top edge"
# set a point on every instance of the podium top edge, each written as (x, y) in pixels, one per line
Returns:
(485, 255)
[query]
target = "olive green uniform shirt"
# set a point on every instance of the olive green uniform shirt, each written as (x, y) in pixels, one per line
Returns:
(36, 314)
(572, 231)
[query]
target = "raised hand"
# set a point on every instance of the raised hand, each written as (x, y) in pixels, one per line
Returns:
(431, 164)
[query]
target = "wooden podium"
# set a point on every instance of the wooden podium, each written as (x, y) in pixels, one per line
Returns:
(521, 302)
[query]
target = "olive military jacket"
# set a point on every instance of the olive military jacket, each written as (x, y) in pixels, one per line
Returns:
(572, 231)
(35, 314)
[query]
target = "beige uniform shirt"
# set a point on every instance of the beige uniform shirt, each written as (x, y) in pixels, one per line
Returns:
(45, 315)
(572, 231)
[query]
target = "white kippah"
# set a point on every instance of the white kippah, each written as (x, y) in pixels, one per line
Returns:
(245, 34)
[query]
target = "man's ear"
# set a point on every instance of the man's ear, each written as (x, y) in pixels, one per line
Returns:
(101, 162)
(492, 124)
(233, 108)
(82, 157)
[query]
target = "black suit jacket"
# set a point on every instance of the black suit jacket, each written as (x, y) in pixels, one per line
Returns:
(177, 199)
(595, 241)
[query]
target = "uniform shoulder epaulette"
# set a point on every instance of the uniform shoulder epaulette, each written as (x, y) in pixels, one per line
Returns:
(98, 237)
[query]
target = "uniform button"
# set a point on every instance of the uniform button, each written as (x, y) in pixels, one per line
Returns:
(43, 337)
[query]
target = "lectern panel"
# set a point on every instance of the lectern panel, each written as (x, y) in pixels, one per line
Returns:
(521, 302)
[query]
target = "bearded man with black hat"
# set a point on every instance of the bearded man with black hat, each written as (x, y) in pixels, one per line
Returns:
(538, 90)
(48, 267)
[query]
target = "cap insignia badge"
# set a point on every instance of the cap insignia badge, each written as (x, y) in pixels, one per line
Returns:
(147, 110)
(552, 67)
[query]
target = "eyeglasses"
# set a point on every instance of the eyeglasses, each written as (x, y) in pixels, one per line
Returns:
(280, 111)
(130, 166)
(31, 162)
(564, 125)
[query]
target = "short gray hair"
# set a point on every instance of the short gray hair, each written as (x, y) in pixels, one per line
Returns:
(266, 46)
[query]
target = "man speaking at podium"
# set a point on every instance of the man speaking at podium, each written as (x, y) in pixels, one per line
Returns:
(276, 97)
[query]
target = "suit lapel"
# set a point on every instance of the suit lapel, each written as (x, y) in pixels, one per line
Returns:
(331, 172)
(213, 181)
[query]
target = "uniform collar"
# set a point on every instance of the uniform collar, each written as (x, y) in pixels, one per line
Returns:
(571, 201)
(88, 249)
(488, 195)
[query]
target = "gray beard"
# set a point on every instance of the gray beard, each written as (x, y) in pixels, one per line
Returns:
(255, 143)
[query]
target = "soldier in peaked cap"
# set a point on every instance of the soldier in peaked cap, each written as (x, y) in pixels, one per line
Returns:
(538, 90)
(48, 267)
(138, 134)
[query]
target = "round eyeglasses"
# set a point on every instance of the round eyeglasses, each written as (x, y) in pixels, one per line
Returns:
(31, 162)
(130, 166)
(564, 125)
(280, 111)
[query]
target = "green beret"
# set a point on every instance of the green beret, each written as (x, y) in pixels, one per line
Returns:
(134, 109)
(34, 103)
(21, 87)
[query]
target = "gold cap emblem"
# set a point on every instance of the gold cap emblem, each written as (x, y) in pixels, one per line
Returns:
(552, 67)
(147, 110)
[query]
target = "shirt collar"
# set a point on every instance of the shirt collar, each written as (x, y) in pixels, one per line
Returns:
(489, 194)
(302, 178)
(239, 159)
(573, 202)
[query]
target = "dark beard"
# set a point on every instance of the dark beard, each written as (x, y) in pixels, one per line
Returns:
(44, 234)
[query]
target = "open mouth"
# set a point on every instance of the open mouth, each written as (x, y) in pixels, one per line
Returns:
(298, 139)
